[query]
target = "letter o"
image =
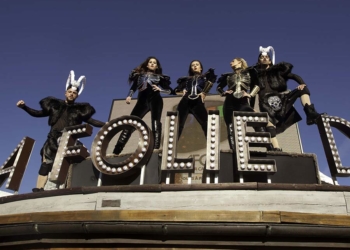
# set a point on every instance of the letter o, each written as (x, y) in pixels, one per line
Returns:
(136, 160)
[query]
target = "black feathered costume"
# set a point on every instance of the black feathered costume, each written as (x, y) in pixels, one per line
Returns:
(61, 115)
(147, 100)
(274, 97)
(191, 102)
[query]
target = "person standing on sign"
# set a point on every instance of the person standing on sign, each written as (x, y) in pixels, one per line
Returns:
(194, 89)
(149, 80)
(274, 98)
(237, 96)
(61, 113)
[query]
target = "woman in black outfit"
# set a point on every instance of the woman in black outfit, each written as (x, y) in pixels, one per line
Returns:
(236, 95)
(194, 88)
(149, 80)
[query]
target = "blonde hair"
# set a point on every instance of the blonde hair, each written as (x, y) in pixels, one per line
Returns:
(244, 62)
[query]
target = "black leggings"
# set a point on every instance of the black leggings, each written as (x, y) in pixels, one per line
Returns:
(196, 108)
(233, 104)
(148, 100)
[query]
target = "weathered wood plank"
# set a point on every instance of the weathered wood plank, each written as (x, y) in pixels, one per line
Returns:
(179, 216)
(211, 186)
(230, 200)
(142, 215)
(161, 188)
(347, 201)
(318, 219)
(47, 204)
(271, 216)
(235, 200)
(286, 186)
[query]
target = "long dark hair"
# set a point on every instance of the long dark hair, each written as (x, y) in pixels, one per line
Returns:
(190, 72)
(143, 66)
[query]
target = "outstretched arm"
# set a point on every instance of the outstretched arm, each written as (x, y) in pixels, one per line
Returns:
(33, 112)
(95, 123)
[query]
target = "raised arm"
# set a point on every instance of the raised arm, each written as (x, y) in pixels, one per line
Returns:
(33, 112)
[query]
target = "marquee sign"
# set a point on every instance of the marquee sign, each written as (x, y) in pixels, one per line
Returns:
(14, 167)
(330, 148)
(170, 162)
(244, 140)
(213, 142)
(71, 151)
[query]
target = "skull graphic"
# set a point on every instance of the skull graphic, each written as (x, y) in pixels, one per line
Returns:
(275, 103)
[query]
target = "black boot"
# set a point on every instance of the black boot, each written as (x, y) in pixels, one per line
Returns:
(311, 114)
(123, 139)
(272, 131)
(231, 139)
(157, 132)
(259, 129)
(270, 147)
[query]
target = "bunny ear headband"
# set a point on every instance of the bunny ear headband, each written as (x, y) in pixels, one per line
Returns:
(76, 85)
(265, 51)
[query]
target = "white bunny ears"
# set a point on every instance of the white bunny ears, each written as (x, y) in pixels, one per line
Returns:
(264, 52)
(80, 84)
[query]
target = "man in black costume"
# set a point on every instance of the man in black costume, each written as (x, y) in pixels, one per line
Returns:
(273, 95)
(61, 113)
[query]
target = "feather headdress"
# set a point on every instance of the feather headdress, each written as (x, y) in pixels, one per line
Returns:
(265, 51)
(72, 83)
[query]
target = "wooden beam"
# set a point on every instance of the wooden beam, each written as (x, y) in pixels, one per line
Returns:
(317, 219)
(144, 215)
(179, 216)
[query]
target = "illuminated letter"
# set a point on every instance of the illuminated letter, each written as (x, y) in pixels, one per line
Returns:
(169, 161)
(244, 139)
(14, 167)
(324, 127)
(213, 144)
(139, 158)
(68, 152)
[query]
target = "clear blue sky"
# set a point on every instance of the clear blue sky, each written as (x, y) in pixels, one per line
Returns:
(42, 40)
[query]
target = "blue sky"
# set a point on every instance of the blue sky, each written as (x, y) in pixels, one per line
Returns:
(42, 40)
